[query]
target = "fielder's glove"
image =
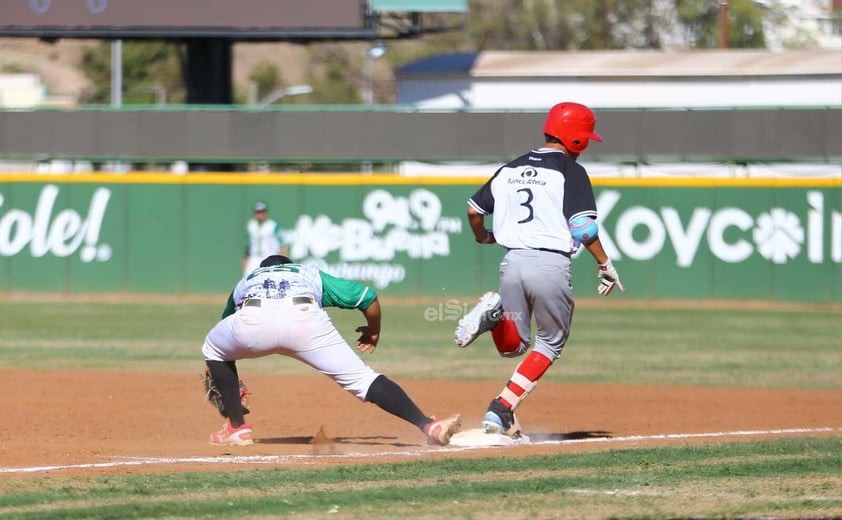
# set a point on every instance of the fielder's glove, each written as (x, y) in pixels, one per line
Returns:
(214, 396)
(608, 278)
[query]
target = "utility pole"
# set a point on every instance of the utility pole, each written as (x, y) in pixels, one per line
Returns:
(374, 51)
(723, 24)
(116, 73)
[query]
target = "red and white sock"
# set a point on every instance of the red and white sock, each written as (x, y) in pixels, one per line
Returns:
(524, 379)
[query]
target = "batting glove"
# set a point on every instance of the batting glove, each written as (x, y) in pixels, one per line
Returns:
(608, 278)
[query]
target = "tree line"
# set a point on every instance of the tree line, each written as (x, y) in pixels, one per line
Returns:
(151, 67)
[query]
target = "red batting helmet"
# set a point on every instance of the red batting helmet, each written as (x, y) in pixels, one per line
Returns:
(572, 124)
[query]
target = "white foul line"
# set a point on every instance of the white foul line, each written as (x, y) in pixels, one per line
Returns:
(277, 459)
(678, 436)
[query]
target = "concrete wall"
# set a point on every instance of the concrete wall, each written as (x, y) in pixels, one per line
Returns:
(318, 136)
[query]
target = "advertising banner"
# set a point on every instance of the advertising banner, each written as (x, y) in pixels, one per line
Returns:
(670, 239)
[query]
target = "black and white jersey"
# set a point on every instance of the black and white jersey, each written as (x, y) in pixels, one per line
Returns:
(533, 198)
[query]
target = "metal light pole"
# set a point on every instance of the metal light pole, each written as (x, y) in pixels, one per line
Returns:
(116, 73)
(376, 50)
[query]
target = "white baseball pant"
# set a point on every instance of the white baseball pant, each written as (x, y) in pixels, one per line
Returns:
(300, 331)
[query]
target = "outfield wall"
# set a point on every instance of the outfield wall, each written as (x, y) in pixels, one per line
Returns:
(298, 133)
(777, 239)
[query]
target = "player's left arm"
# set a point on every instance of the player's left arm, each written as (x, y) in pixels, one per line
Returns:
(349, 294)
(370, 332)
(580, 210)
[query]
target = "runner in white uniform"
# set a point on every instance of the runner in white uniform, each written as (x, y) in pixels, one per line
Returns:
(543, 208)
(278, 309)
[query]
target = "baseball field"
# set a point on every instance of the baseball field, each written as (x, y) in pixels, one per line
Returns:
(655, 410)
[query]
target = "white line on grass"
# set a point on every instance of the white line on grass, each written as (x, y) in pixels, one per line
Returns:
(312, 458)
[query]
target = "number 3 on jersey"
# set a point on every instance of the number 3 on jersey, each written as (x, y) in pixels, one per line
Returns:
(525, 204)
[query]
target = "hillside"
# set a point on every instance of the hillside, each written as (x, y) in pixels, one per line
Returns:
(57, 63)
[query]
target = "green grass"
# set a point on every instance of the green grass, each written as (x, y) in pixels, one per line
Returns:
(783, 478)
(62, 335)
(760, 348)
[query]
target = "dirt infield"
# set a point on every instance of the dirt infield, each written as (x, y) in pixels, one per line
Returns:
(93, 423)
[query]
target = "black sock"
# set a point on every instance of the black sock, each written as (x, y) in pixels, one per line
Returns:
(390, 397)
(225, 378)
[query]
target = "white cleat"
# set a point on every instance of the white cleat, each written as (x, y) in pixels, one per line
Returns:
(483, 317)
